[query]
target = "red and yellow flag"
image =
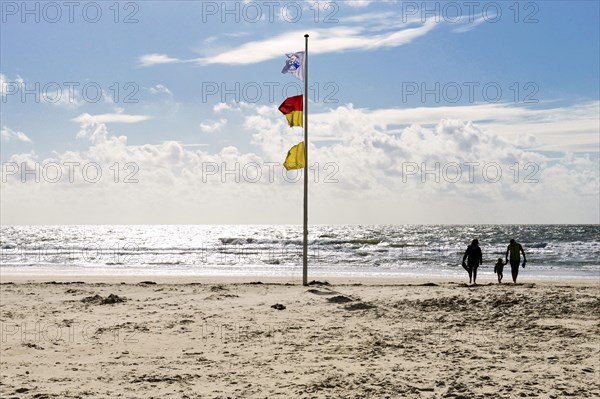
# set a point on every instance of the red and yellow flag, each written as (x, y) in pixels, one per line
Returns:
(292, 109)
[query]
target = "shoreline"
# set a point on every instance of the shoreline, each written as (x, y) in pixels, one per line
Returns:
(408, 280)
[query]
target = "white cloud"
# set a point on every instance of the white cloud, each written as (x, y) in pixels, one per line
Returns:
(365, 167)
(52, 93)
(68, 97)
(236, 34)
(8, 87)
(571, 128)
(332, 40)
(221, 107)
(10, 135)
(328, 40)
(107, 118)
(156, 59)
(358, 3)
(160, 89)
(386, 18)
(372, 156)
(3, 85)
(210, 126)
(467, 24)
(570, 135)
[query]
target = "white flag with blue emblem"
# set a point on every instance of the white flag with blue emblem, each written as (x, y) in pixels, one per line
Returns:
(295, 65)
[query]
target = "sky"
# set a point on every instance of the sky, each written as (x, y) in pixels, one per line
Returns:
(419, 112)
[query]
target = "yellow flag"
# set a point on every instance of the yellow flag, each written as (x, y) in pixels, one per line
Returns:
(295, 157)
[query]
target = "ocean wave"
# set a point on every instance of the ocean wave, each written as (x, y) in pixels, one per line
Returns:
(394, 248)
(538, 245)
(352, 241)
(236, 240)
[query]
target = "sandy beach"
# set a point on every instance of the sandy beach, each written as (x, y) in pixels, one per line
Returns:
(130, 337)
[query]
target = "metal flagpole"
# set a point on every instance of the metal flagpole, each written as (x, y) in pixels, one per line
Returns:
(305, 112)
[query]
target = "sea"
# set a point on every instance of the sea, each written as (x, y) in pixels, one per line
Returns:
(553, 251)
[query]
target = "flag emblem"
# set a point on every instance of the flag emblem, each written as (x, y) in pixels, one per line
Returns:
(295, 64)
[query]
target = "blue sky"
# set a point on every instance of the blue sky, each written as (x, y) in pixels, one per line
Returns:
(543, 56)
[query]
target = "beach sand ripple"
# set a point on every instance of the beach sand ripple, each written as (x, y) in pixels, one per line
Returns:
(220, 339)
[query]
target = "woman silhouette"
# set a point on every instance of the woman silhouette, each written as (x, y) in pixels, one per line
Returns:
(474, 259)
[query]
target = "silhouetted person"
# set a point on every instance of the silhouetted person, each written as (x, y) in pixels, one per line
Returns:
(474, 259)
(498, 268)
(515, 250)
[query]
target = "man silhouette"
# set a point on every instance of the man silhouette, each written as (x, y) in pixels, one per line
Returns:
(515, 250)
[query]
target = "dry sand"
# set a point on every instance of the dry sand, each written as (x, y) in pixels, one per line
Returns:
(220, 338)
